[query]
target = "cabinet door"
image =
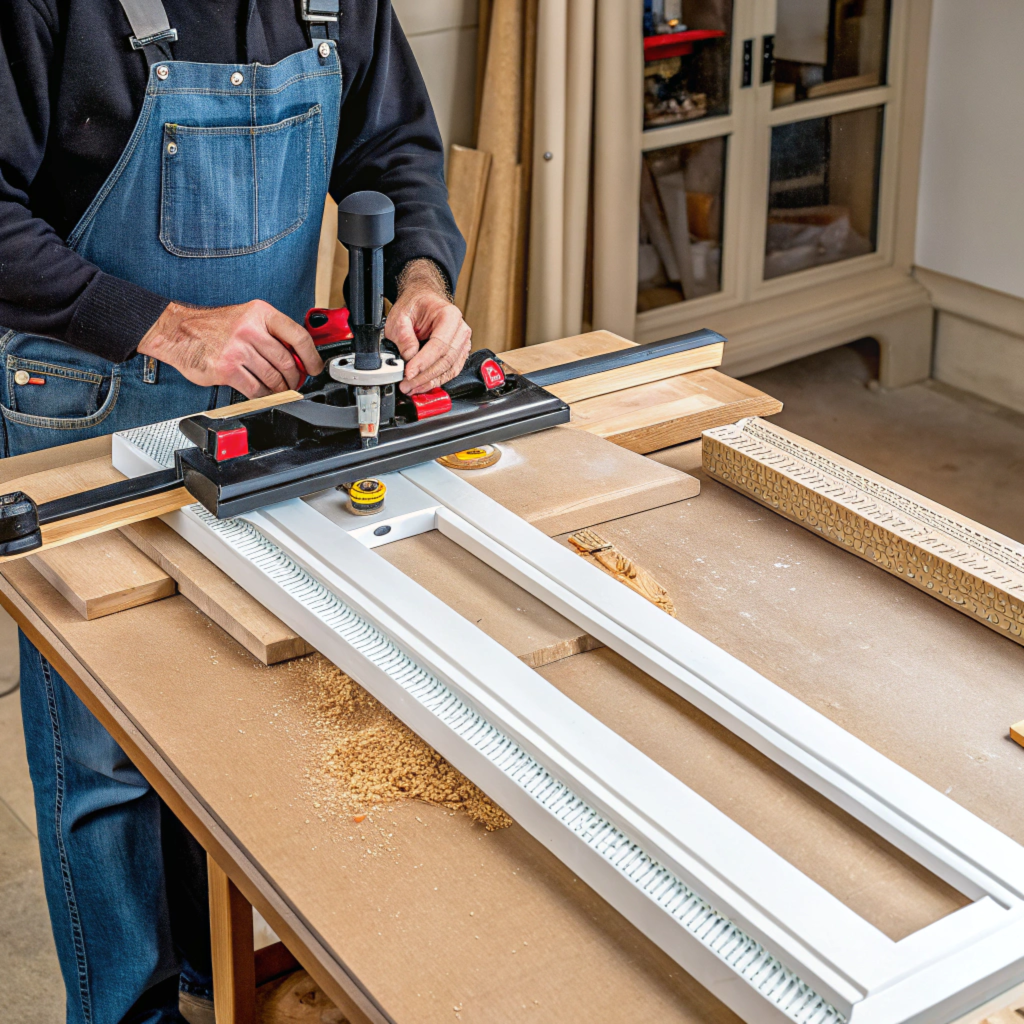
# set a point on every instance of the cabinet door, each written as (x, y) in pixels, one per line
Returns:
(668, 185)
(826, 146)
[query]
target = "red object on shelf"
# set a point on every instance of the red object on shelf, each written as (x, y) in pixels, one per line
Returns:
(677, 44)
(431, 403)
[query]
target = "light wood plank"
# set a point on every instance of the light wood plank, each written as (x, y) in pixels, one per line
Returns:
(102, 575)
(562, 480)
(215, 594)
(963, 564)
(468, 170)
(563, 350)
(669, 412)
(234, 961)
(647, 372)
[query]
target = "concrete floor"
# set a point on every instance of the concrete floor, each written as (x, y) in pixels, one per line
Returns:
(954, 448)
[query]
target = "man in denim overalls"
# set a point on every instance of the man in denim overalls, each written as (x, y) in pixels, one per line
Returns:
(163, 168)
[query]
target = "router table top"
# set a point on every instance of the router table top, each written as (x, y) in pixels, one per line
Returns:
(439, 920)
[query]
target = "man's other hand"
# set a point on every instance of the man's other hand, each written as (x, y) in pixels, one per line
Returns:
(423, 312)
(248, 347)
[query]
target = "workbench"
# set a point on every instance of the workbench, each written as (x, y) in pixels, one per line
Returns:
(420, 915)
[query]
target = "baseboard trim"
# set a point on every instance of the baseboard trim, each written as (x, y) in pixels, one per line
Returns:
(971, 301)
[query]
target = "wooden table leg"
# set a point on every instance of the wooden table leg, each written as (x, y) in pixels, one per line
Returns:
(234, 962)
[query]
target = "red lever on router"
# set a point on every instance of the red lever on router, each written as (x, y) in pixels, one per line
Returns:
(431, 403)
(491, 374)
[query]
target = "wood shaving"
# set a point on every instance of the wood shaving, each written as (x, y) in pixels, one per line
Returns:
(366, 757)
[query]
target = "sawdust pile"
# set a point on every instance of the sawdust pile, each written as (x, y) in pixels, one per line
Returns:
(367, 757)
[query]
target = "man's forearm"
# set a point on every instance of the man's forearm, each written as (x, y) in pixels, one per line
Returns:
(424, 273)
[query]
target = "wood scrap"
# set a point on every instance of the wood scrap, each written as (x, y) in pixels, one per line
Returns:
(963, 564)
(608, 557)
(467, 186)
(1017, 732)
(295, 999)
(216, 595)
(102, 575)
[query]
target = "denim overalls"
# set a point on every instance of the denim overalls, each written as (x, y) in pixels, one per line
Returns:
(217, 199)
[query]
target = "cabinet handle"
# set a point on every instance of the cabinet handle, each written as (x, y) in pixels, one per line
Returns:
(767, 59)
(748, 64)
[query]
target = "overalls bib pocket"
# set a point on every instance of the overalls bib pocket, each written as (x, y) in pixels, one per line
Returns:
(235, 190)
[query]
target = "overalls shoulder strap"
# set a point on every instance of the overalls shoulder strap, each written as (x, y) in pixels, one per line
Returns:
(151, 31)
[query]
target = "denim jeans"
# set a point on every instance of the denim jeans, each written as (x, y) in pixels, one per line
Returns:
(123, 923)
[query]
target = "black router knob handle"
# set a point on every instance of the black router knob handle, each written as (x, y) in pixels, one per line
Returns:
(366, 220)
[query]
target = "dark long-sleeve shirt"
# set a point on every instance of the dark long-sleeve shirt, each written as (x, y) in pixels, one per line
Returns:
(71, 90)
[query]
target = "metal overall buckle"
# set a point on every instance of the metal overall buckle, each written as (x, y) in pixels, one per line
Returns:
(320, 11)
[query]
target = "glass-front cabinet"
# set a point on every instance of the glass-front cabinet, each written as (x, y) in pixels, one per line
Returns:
(766, 157)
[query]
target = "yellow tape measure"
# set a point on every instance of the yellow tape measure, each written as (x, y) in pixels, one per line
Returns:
(472, 458)
(366, 497)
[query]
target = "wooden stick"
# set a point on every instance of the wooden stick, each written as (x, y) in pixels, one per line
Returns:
(608, 557)
(468, 170)
(234, 961)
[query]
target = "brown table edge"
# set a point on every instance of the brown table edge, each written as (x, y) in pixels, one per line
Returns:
(305, 944)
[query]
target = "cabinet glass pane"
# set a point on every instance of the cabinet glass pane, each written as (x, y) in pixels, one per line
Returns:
(823, 191)
(686, 60)
(824, 47)
(681, 193)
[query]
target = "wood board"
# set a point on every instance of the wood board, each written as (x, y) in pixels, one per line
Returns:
(650, 416)
(670, 412)
(648, 372)
(215, 594)
(468, 170)
(562, 480)
(102, 575)
(948, 556)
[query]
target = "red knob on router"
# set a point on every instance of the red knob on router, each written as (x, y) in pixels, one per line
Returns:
(431, 403)
(327, 325)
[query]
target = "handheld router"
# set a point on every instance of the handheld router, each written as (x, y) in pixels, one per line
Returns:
(351, 421)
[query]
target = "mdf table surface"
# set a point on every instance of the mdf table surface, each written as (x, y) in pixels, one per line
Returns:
(420, 914)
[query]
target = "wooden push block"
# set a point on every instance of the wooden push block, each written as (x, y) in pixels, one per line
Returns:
(103, 574)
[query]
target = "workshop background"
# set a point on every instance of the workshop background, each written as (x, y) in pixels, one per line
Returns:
(894, 336)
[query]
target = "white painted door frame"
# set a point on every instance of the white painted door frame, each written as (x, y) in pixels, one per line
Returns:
(763, 937)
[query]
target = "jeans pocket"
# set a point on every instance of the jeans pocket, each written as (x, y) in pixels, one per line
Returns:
(230, 191)
(51, 394)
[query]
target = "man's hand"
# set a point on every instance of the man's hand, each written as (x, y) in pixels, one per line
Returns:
(248, 347)
(423, 311)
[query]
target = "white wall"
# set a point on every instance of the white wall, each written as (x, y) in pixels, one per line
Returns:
(443, 35)
(971, 208)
